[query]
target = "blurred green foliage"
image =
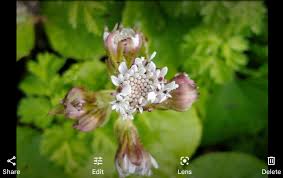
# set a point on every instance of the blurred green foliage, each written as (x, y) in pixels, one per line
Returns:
(221, 45)
(25, 37)
(228, 164)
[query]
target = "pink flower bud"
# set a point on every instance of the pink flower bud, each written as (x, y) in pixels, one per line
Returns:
(182, 97)
(122, 43)
(131, 158)
(74, 103)
(83, 107)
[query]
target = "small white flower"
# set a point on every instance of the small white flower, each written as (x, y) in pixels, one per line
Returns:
(140, 85)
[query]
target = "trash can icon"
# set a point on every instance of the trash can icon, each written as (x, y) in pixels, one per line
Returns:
(271, 160)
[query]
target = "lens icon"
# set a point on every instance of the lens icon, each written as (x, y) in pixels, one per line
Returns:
(184, 160)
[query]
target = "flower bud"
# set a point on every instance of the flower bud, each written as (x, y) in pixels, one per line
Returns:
(122, 43)
(86, 108)
(182, 97)
(131, 158)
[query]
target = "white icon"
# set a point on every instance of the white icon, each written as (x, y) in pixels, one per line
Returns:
(271, 160)
(184, 160)
(10, 161)
(98, 160)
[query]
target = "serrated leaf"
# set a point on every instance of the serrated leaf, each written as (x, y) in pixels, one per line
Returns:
(240, 17)
(227, 164)
(90, 74)
(34, 110)
(220, 73)
(238, 43)
(29, 160)
(77, 43)
(32, 85)
(66, 147)
(46, 66)
(43, 79)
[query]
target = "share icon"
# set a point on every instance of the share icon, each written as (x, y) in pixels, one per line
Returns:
(10, 160)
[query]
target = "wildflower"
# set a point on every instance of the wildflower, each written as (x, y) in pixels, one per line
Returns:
(139, 86)
(131, 158)
(122, 43)
(183, 97)
(86, 108)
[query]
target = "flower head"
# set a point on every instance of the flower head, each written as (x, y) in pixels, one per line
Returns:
(131, 158)
(84, 107)
(184, 96)
(140, 85)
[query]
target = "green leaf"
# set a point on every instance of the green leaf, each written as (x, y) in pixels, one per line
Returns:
(73, 14)
(29, 160)
(90, 74)
(25, 38)
(89, 9)
(90, 23)
(66, 147)
(103, 145)
(43, 79)
(242, 17)
(210, 56)
(34, 110)
(227, 164)
(162, 33)
(231, 110)
(256, 144)
(168, 136)
(32, 85)
(179, 9)
(46, 66)
(238, 43)
(75, 29)
(220, 73)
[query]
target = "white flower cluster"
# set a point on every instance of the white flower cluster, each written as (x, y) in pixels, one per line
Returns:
(139, 86)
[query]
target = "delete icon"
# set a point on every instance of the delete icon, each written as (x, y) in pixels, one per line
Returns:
(271, 160)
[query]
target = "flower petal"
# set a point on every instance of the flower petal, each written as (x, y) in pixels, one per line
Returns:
(123, 68)
(136, 40)
(171, 86)
(151, 96)
(138, 61)
(163, 71)
(140, 109)
(115, 80)
(154, 162)
(105, 35)
(152, 55)
(126, 90)
(151, 66)
(134, 68)
(119, 97)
